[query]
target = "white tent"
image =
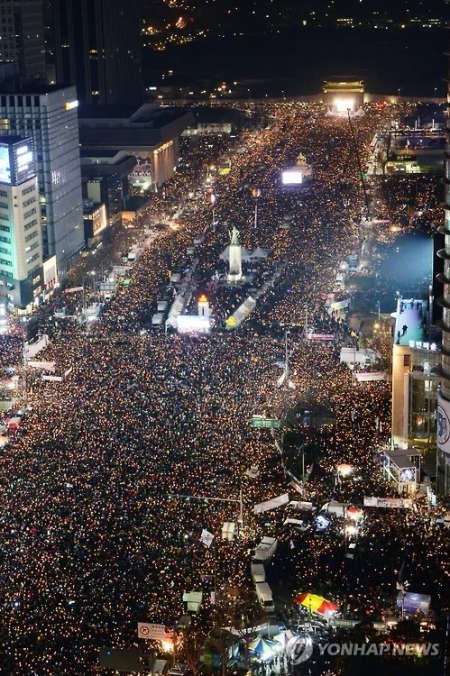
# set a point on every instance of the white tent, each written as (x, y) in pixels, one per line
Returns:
(225, 255)
(271, 504)
(175, 310)
(193, 600)
(241, 313)
(284, 637)
(259, 253)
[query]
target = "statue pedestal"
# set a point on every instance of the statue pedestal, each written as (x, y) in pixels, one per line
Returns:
(235, 262)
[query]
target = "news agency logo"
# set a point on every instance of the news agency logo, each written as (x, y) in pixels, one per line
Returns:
(299, 649)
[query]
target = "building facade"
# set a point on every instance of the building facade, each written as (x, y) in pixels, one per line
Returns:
(22, 33)
(97, 48)
(443, 412)
(150, 134)
(105, 180)
(49, 116)
(415, 375)
(20, 226)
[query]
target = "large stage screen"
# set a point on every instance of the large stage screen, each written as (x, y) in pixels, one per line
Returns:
(193, 324)
(292, 177)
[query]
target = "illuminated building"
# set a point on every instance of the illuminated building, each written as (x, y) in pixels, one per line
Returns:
(443, 411)
(343, 93)
(49, 115)
(20, 231)
(149, 134)
(22, 36)
(402, 468)
(105, 175)
(95, 221)
(415, 377)
(97, 48)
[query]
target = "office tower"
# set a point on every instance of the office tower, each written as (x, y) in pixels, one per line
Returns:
(22, 36)
(49, 115)
(97, 47)
(443, 410)
(20, 227)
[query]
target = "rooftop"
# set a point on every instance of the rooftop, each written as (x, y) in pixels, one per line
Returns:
(403, 459)
(148, 114)
(11, 140)
(106, 112)
(409, 321)
(146, 127)
(96, 152)
(39, 87)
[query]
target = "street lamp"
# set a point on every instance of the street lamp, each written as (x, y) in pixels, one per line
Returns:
(256, 193)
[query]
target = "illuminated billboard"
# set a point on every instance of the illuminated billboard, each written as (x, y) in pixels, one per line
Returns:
(5, 165)
(292, 177)
(99, 220)
(23, 160)
(16, 161)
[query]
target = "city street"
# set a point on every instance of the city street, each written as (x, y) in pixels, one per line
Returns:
(114, 472)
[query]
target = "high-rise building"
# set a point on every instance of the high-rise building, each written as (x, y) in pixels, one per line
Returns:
(443, 410)
(97, 48)
(20, 226)
(22, 36)
(49, 115)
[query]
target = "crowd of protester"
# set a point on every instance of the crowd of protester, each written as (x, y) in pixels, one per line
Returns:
(109, 483)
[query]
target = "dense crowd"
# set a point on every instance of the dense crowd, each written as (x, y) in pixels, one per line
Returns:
(108, 485)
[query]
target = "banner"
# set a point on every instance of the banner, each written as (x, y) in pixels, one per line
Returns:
(266, 423)
(321, 337)
(443, 424)
(388, 503)
(74, 289)
(367, 376)
(44, 365)
(53, 379)
(340, 304)
(206, 538)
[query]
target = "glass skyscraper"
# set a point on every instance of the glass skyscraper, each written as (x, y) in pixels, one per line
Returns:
(97, 47)
(49, 115)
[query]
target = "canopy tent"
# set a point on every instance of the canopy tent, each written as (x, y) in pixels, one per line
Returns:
(271, 504)
(263, 649)
(193, 599)
(316, 604)
(175, 310)
(259, 252)
(241, 313)
(225, 255)
(283, 637)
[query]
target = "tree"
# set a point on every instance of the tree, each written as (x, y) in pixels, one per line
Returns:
(192, 643)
